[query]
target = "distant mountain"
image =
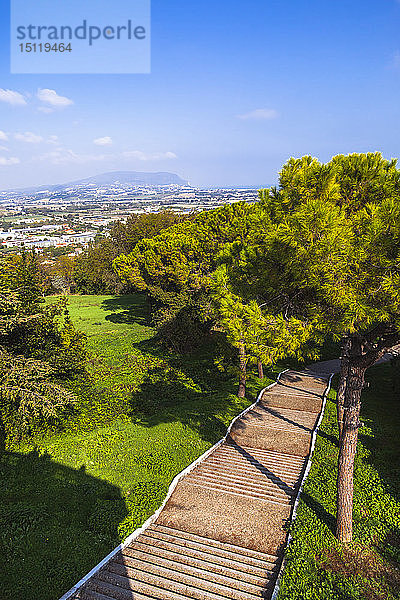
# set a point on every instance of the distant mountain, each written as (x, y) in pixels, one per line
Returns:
(133, 178)
(111, 178)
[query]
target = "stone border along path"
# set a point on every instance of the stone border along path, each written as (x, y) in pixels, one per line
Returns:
(221, 532)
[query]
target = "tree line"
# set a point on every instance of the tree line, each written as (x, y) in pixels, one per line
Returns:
(91, 272)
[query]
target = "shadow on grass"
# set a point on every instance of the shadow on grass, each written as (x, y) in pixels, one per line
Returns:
(56, 524)
(127, 309)
(325, 516)
(381, 413)
(333, 439)
(167, 396)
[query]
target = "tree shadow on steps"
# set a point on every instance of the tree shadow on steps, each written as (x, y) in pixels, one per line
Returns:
(285, 487)
(56, 523)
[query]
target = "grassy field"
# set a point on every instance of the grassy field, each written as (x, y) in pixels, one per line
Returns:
(68, 498)
(318, 568)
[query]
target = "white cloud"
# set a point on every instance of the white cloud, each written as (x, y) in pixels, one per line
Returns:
(64, 156)
(12, 97)
(4, 149)
(139, 155)
(103, 141)
(29, 137)
(13, 160)
(260, 114)
(52, 100)
(3, 136)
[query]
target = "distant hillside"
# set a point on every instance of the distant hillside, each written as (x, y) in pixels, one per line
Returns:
(111, 178)
(134, 178)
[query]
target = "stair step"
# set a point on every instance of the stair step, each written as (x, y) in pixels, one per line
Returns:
(254, 463)
(91, 594)
(271, 424)
(179, 571)
(88, 594)
(254, 478)
(116, 592)
(260, 452)
(287, 413)
(190, 587)
(200, 560)
(194, 538)
(249, 472)
(249, 489)
(219, 558)
(253, 468)
(297, 429)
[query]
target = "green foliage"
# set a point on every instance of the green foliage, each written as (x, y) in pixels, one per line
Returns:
(339, 240)
(173, 270)
(39, 345)
(140, 419)
(93, 270)
(28, 396)
(318, 568)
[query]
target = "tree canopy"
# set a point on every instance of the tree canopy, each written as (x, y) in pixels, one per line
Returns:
(318, 255)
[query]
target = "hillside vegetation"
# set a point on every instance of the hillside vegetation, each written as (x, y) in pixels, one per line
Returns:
(68, 498)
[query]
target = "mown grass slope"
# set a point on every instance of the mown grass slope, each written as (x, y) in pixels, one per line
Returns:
(69, 497)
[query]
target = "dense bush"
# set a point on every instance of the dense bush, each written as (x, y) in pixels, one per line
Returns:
(39, 347)
(93, 269)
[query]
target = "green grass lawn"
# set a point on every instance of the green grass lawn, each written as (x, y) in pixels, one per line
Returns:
(318, 568)
(69, 497)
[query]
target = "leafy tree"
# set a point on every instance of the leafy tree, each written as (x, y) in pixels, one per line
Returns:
(125, 236)
(173, 267)
(338, 242)
(259, 337)
(94, 272)
(28, 396)
(62, 273)
(38, 345)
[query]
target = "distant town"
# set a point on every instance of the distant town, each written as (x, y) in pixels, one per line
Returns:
(70, 216)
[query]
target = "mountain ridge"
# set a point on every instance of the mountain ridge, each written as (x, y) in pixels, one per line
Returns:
(150, 178)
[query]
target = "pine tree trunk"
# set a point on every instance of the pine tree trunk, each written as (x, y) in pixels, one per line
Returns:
(260, 369)
(242, 371)
(340, 397)
(348, 448)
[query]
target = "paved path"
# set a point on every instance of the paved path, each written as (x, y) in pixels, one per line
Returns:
(222, 532)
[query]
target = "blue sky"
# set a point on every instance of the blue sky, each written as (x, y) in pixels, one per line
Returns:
(236, 88)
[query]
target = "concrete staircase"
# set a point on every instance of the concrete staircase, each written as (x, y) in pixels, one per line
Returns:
(222, 532)
(170, 564)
